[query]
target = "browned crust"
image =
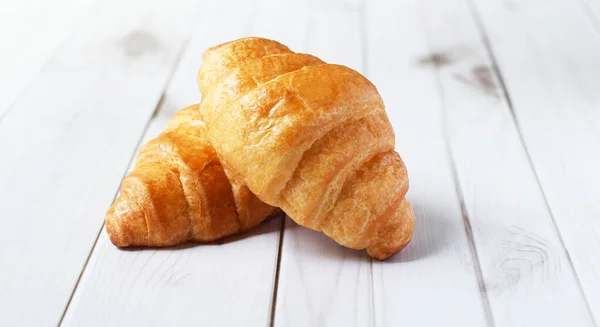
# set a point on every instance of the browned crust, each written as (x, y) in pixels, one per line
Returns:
(309, 137)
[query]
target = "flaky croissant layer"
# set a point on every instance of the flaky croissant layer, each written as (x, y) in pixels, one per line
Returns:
(309, 137)
(179, 192)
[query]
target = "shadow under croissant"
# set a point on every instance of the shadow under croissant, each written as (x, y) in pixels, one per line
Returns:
(431, 235)
(310, 245)
(432, 228)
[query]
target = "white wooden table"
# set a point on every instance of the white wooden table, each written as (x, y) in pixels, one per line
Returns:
(496, 108)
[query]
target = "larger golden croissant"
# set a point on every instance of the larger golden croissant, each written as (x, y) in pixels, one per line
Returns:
(178, 192)
(309, 137)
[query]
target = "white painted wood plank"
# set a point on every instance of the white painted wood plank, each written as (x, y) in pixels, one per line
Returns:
(66, 143)
(30, 32)
(225, 284)
(591, 9)
(528, 277)
(433, 281)
(550, 61)
(320, 282)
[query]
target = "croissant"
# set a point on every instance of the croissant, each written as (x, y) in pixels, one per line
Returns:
(178, 192)
(309, 137)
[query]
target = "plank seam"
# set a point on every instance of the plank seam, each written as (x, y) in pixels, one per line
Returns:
(496, 68)
(487, 308)
(277, 269)
(372, 288)
(131, 160)
(485, 301)
(157, 108)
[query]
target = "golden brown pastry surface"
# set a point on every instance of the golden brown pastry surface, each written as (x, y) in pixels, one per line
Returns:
(309, 137)
(179, 192)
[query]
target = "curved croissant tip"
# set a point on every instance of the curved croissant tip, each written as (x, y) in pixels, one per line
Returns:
(126, 224)
(114, 232)
(382, 251)
(398, 238)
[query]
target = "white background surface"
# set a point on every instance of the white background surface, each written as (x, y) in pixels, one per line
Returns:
(496, 108)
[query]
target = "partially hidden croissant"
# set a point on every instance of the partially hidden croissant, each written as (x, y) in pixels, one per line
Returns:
(309, 137)
(178, 192)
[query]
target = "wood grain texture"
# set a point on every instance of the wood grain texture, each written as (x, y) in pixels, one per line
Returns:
(528, 277)
(70, 137)
(553, 85)
(223, 284)
(523, 165)
(30, 32)
(320, 282)
(433, 282)
(229, 283)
